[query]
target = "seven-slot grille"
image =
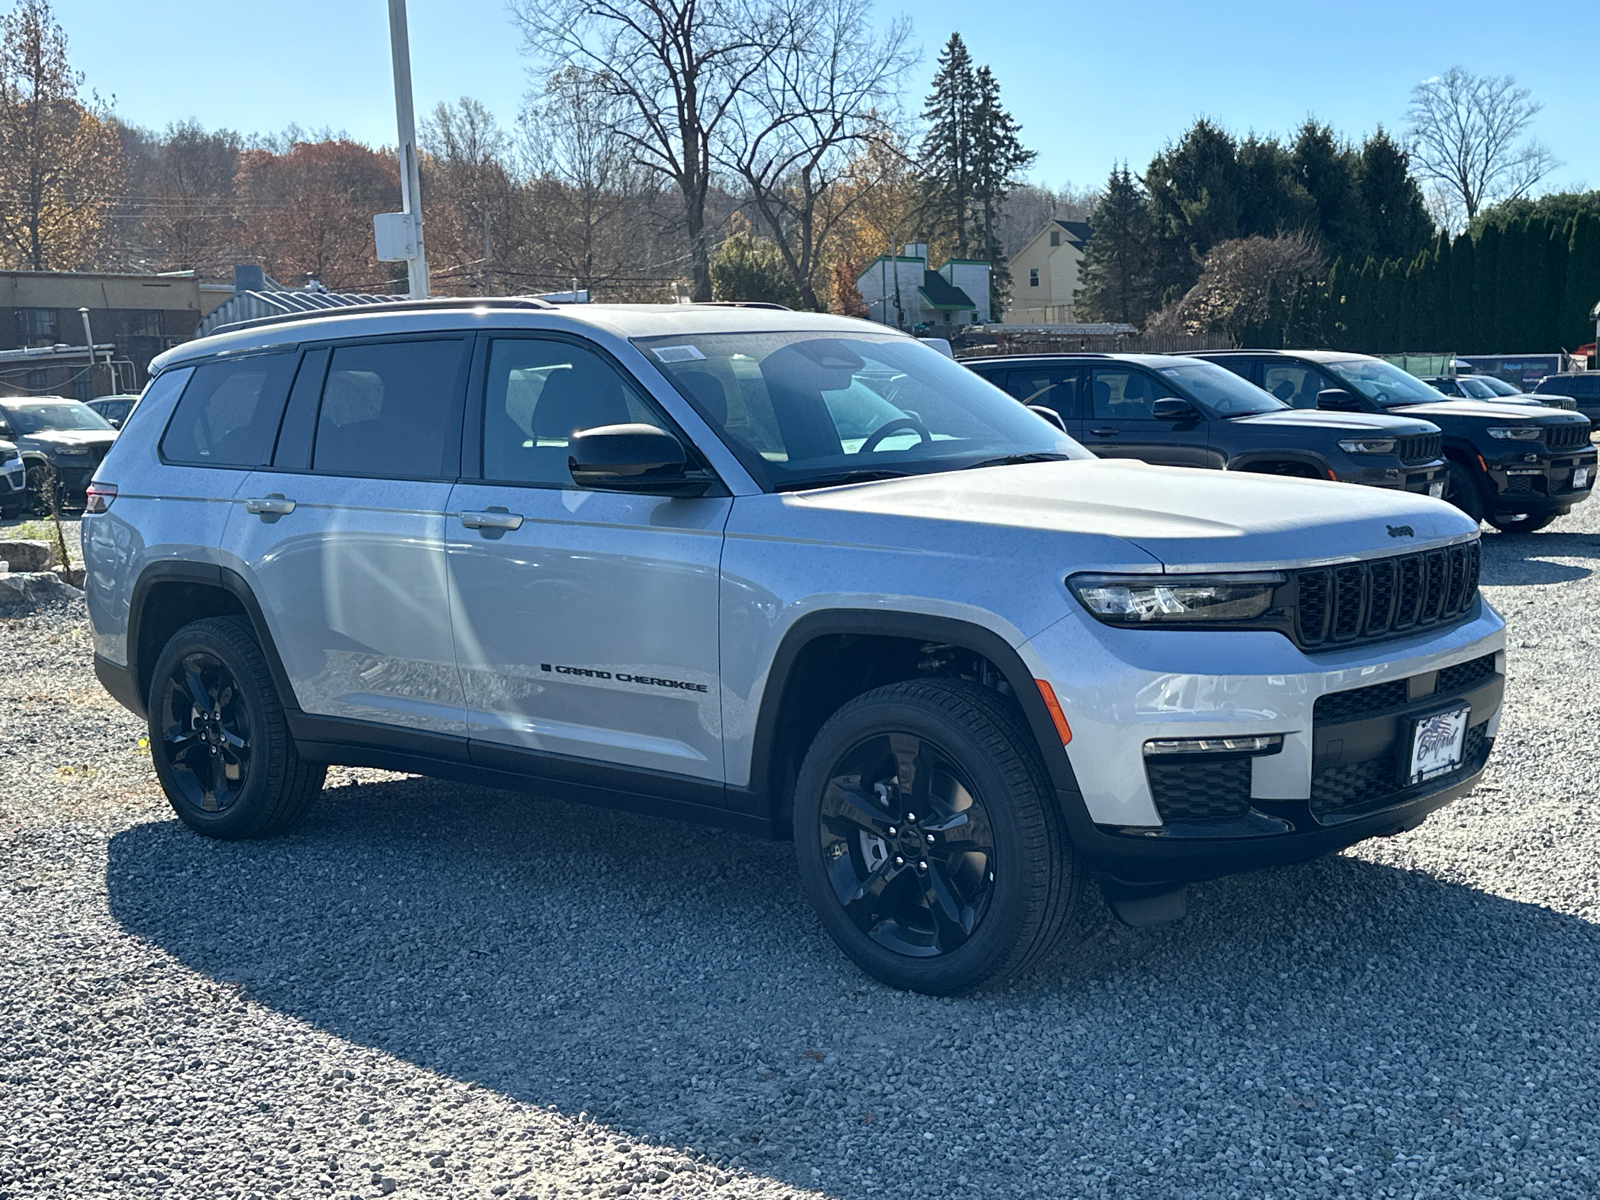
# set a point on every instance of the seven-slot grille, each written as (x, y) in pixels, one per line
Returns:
(1382, 597)
(1420, 447)
(1566, 437)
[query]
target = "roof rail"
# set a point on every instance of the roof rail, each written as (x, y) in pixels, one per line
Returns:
(389, 306)
(745, 304)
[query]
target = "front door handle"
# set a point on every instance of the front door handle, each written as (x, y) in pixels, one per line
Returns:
(494, 518)
(274, 504)
(1105, 432)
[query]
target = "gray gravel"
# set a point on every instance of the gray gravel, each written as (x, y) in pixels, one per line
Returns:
(449, 991)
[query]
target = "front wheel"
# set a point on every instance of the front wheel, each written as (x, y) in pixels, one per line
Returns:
(218, 737)
(1462, 490)
(929, 841)
(1523, 524)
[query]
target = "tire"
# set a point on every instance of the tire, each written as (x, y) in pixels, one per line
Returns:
(1525, 525)
(856, 836)
(1462, 490)
(242, 743)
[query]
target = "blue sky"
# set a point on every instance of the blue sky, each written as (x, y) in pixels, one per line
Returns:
(1091, 83)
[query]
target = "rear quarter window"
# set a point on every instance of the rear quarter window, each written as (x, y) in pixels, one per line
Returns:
(228, 414)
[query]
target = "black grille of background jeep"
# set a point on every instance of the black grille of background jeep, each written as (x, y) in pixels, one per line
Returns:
(1420, 447)
(1566, 437)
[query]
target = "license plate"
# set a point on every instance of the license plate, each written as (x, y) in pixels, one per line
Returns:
(1580, 478)
(1437, 743)
(1436, 490)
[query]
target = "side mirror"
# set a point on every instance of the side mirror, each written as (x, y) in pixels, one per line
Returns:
(1049, 414)
(632, 458)
(1172, 408)
(1338, 400)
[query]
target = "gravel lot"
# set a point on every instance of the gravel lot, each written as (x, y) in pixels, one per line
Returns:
(437, 990)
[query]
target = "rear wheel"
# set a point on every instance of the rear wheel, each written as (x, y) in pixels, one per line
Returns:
(928, 838)
(218, 737)
(1462, 490)
(1523, 524)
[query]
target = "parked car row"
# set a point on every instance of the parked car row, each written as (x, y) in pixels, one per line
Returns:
(1513, 460)
(56, 440)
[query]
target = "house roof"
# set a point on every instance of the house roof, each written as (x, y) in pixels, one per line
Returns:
(249, 306)
(939, 292)
(1078, 231)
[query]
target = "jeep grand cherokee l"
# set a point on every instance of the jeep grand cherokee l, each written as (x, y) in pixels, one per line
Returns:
(1184, 412)
(791, 574)
(62, 441)
(1517, 467)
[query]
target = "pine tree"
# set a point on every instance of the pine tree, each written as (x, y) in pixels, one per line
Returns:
(1582, 289)
(1547, 315)
(1115, 276)
(946, 153)
(1439, 314)
(997, 156)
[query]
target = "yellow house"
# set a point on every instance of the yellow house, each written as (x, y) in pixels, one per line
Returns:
(1044, 275)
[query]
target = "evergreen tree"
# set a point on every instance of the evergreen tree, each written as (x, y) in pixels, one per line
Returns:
(1327, 171)
(997, 156)
(946, 153)
(1547, 313)
(1463, 295)
(1485, 283)
(1196, 201)
(1115, 276)
(1440, 316)
(1582, 289)
(1396, 220)
(1511, 292)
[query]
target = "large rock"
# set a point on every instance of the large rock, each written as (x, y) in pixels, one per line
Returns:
(34, 587)
(28, 555)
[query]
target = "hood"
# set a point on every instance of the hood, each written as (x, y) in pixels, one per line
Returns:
(1323, 418)
(1491, 410)
(61, 439)
(1186, 518)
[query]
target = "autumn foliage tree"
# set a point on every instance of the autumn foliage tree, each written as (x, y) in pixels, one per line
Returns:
(61, 163)
(308, 212)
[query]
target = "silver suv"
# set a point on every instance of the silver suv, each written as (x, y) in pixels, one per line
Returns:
(791, 574)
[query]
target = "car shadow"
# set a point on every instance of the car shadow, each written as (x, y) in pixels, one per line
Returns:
(1513, 559)
(667, 979)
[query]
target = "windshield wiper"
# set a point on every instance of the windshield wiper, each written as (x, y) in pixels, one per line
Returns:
(1013, 460)
(842, 477)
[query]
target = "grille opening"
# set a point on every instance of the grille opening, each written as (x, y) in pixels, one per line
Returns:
(1194, 790)
(1376, 598)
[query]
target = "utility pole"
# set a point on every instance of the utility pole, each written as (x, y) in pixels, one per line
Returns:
(410, 177)
(488, 275)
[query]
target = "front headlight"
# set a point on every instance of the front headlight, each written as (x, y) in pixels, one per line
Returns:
(1175, 599)
(1515, 433)
(1368, 446)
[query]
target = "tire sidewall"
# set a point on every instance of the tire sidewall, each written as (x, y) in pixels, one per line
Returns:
(1002, 926)
(1464, 491)
(242, 818)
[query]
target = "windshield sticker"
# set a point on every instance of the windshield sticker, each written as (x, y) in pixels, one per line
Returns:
(676, 354)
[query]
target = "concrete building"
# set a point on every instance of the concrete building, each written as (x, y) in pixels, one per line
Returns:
(1044, 275)
(131, 318)
(900, 290)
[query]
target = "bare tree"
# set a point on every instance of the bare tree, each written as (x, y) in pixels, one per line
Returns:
(1466, 133)
(819, 98)
(190, 213)
(679, 66)
(1242, 281)
(469, 193)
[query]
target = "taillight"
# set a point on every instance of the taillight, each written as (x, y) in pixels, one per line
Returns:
(100, 495)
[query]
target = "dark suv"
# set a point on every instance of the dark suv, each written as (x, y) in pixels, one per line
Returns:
(1517, 467)
(1582, 386)
(65, 436)
(1184, 413)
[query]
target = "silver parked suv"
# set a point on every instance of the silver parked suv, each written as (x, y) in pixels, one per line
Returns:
(791, 574)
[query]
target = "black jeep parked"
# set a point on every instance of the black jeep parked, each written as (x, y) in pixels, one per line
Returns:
(1185, 413)
(1582, 386)
(1517, 467)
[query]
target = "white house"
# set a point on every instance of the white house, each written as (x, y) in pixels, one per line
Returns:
(900, 290)
(1044, 275)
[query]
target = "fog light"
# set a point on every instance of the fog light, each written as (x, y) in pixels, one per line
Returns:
(1269, 743)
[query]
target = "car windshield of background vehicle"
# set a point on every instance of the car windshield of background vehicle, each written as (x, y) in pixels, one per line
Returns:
(1382, 383)
(1496, 385)
(1477, 389)
(1219, 389)
(40, 418)
(807, 409)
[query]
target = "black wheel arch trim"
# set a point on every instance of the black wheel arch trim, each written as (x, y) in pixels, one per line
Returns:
(918, 626)
(211, 575)
(1304, 458)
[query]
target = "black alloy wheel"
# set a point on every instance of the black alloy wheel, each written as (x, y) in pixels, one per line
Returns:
(219, 740)
(1461, 489)
(910, 844)
(1525, 524)
(929, 839)
(206, 732)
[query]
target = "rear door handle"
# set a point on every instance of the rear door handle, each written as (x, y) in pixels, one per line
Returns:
(1104, 432)
(274, 505)
(494, 518)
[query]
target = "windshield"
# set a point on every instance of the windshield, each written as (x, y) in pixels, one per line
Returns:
(68, 414)
(807, 409)
(1496, 386)
(1219, 389)
(1382, 383)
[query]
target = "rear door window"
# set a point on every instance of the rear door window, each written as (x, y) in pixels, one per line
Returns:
(228, 415)
(1126, 395)
(1053, 387)
(1294, 384)
(392, 409)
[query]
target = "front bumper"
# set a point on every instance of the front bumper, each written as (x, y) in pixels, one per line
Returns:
(1421, 478)
(1538, 483)
(13, 480)
(1334, 778)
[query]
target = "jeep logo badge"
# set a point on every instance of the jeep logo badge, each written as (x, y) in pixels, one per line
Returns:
(1402, 531)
